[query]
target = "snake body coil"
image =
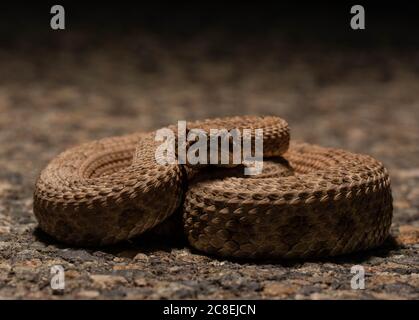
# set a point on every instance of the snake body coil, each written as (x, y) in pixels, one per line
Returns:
(312, 202)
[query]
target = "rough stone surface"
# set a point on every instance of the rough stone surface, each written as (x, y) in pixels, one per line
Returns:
(76, 89)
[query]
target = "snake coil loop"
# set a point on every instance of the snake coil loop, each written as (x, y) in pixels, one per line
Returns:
(309, 201)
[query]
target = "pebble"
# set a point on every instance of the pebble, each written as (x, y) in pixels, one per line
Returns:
(277, 290)
(141, 257)
(106, 281)
(140, 282)
(87, 294)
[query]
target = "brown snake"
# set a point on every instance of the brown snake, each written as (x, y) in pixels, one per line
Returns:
(311, 202)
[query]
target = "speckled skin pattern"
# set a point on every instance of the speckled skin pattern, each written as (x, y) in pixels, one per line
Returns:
(103, 192)
(337, 202)
(334, 202)
(84, 197)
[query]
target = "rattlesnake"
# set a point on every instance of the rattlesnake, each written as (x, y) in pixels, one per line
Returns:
(310, 201)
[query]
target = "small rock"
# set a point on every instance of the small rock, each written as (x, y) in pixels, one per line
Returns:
(30, 264)
(401, 204)
(105, 281)
(76, 255)
(5, 267)
(408, 235)
(4, 245)
(87, 294)
(4, 229)
(140, 282)
(319, 296)
(175, 269)
(278, 290)
(72, 274)
(118, 259)
(141, 257)
(5, 188)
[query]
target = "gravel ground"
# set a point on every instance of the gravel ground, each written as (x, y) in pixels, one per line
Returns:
(80, 88)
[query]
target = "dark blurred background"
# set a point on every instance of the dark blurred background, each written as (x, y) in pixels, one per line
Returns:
(127, 66)
(300, 21)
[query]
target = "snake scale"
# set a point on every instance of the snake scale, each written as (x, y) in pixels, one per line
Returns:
(309, 201)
